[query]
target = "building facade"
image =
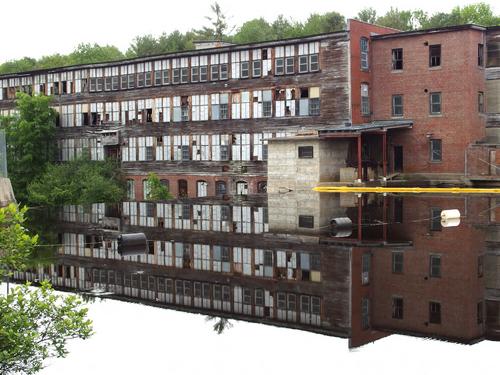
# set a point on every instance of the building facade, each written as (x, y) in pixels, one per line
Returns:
(389, 102)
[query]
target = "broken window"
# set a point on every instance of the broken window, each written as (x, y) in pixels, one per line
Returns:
(112, 112)
(309, 103)
(129, 150)
(96, 113)
(67, 113)
(201, 150)
(146, 148)
(397, 59)
(480, 55)
(199, 108)
(181, 108)
(240, 108)
(201, 188)
(220, 147)
(242, 188)
(81, 115)
(365, 100)
(260, 146)
(262, 103)
(220, 188)
(285, 102)
(181, 147)
(161, 111)
(397, 105)
(220, 106)
(435, 103)
(163, 149)
(241, 147)
(365, 268)
(130, 189)
(128, 112)
(435, 55)
(363, 46)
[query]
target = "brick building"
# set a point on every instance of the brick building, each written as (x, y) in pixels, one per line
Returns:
(202, 119)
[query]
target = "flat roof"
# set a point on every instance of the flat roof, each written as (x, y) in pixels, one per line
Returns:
(186, 53)
(371, 126)
(446, 29)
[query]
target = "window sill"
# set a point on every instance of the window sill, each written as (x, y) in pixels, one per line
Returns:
(435, 67)
(397, 71)
(399, 117)
(436, 115)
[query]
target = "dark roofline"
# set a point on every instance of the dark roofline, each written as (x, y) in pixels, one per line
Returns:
(187, 53)
(469, 26)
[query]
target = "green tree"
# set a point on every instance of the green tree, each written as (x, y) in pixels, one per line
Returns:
(256, 30)
(324, 23)
(20, 65)
(86, 53)
(367, 15)
(16, 244)
(398, 19)
(283, 28)
(218, 25)
(157, 191)
(35, 324)
(478, 13)
(52, 61)
(146, 45)
(80, 181)
(30, 141)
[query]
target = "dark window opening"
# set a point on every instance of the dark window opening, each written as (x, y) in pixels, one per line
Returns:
(306, 152)
(436, 150)
(397, 262)
(435, 312)
(397, 308)
(435, 55)
(306, 221)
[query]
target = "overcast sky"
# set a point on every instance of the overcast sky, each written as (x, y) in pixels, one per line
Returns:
(35, 28)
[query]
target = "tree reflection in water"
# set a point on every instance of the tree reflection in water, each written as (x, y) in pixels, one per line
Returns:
(220, 323)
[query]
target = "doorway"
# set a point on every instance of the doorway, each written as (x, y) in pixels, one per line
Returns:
(398, 158)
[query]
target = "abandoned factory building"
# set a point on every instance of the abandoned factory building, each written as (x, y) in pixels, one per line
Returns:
(367, 103)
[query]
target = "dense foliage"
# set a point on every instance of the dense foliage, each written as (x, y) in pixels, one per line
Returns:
(254, 31)
(16, 244)
(35, 324)
(30, 141)
(156, 190)
(80, 181)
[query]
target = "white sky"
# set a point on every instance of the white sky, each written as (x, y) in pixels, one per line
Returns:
(35, 28)
(136, 339)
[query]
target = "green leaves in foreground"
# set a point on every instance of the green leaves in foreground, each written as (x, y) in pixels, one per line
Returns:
(16, 245)
(81, 181)
(35, 324)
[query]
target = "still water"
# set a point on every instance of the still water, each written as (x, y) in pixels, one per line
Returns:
(394, 275)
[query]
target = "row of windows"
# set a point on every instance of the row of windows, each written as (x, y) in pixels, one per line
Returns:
(434, 57)
(434, 311)
(302, 308)
(279, 264)
(204, 217)
(434, 263)
(278, 102)
(215, 147)
(435, 104)
(202, 188)
(434, 51)
(291, 59)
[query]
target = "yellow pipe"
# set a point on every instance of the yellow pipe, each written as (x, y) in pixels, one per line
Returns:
(411, 190)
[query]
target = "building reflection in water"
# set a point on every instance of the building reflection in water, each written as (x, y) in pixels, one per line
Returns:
(274, 260)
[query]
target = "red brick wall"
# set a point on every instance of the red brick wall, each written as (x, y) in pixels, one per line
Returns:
(459, 288)
(458, 79)
(357, 30)
(192, 180)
